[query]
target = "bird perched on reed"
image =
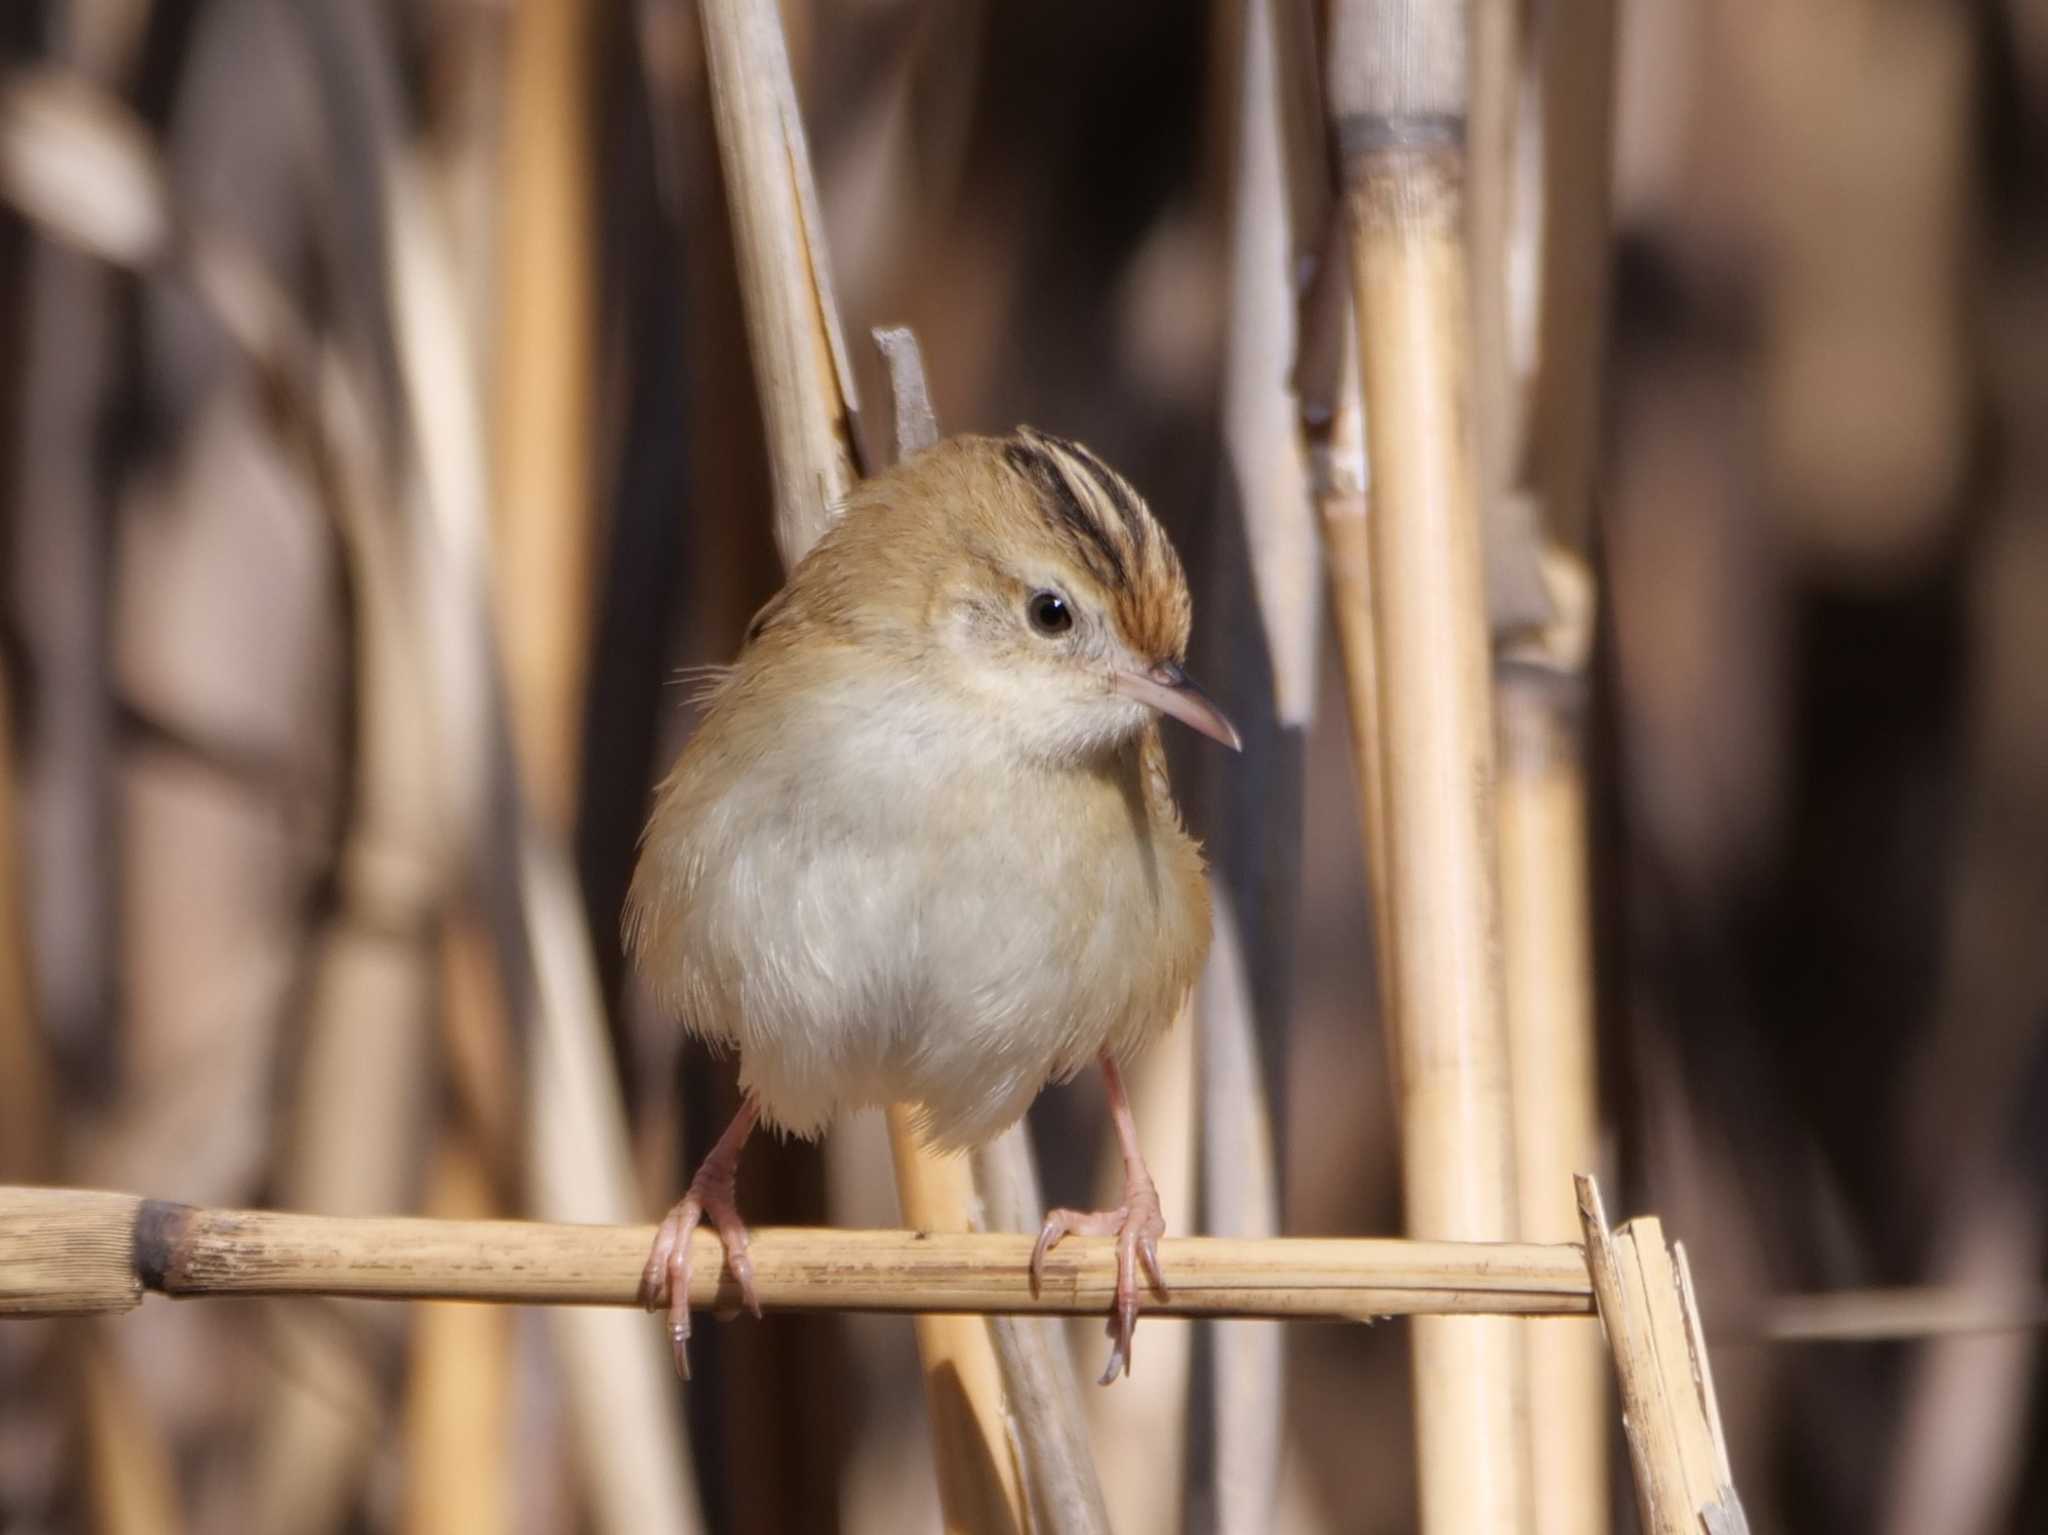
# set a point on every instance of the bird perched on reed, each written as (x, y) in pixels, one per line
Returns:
(922, 847)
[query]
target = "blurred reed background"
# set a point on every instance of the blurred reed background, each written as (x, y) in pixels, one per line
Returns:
(382, 440)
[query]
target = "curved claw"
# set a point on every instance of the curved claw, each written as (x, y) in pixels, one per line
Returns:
(666, 1279)
(742, 1265)
(1148, 1254)
(1048, 1238)
(1137, 1224)
(1120, 1340)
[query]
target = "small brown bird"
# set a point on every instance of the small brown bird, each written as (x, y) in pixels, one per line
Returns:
(922, 847)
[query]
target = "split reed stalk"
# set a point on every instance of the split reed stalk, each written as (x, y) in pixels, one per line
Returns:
(1669, 1414)
(807, 406)
(1398, 89)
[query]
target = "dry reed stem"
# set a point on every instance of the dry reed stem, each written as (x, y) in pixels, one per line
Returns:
(1545, 873)
(633, 1450)
(913, 424)
(1241, 1186)
(1889, 1315)
(626, 1428)
(1577, 62)
(627, 1431)
(79, 1251)
(543, 494)
(979, 1485)
(1341, 478)
(25, 1089)
(1280, 207)
(1516, 591)
(458, 1453)
(366, 1052)
(800, 363)
(131, 1481)
(1048, 1427)
(1398, 89)
(1546, 947)
(1668, 1414)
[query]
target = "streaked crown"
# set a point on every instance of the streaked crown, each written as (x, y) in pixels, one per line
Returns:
(1107, 528)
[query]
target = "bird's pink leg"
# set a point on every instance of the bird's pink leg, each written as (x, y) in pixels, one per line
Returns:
(1137, 1224)
(666, 1280)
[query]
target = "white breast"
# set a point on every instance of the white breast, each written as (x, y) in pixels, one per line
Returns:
(891, 918)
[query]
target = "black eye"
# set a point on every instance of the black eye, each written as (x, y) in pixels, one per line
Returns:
(1049, 613)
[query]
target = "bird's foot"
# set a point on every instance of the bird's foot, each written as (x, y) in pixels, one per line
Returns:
(666, 1279)
(1137, 1224)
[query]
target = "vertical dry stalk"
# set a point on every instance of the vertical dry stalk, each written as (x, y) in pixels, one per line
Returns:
(1516, 589)
(1047, 1424)
(793, 334)
(1341, 492)
(130, 1480)
(1398, 90)
(1547, 951)
(979, 1487)
(1496, 97)
(1241, 1188)
(1279, 209)
(1545, 873)
(458, 1464)
(546, 380)
(24, 1073)
(807, 405)
(460, 1381)
(1578, 84)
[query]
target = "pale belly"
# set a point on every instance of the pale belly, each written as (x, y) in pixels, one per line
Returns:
(955, 966)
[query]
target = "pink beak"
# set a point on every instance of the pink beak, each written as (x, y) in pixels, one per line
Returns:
(1167, 688)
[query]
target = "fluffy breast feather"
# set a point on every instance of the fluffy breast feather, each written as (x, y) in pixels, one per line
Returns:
(837, 883)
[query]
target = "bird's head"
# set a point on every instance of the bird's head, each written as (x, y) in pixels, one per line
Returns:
(1025, 575)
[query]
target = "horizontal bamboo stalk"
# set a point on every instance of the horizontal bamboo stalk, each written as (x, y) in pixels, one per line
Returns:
(1886, 1316)
(68, 1251)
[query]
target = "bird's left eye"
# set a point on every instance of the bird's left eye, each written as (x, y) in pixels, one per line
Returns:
(1049, 613)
